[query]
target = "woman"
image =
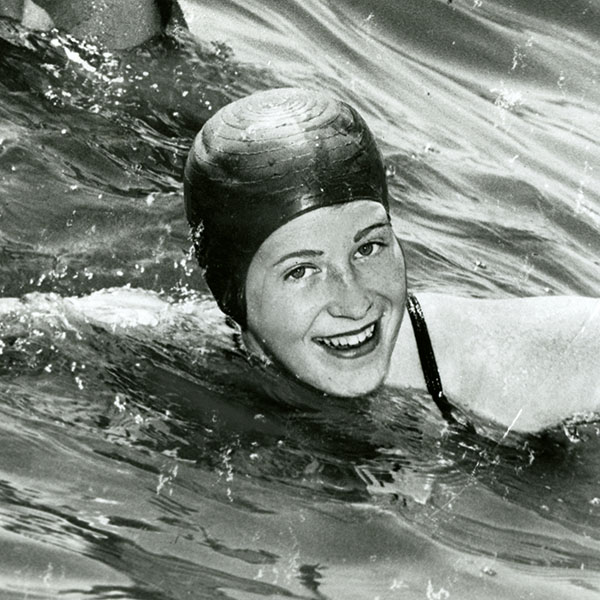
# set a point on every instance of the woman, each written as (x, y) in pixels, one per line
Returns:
(285, 191)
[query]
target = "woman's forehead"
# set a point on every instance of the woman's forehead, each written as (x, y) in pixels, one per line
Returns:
(328, 224)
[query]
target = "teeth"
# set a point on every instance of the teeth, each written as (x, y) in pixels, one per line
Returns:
(349, 341)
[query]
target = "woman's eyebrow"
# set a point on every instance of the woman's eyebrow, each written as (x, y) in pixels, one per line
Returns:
(361, 234)
(298, 254)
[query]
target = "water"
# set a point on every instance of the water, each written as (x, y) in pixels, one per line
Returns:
(142, 457)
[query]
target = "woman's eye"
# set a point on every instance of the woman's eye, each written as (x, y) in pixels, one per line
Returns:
(366, 249)
(369, 248)
(296, 273)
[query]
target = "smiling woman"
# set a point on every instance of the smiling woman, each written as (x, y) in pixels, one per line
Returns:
(286, 194)
(327, 306)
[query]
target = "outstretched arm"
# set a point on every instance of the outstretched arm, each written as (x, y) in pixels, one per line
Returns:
(533, 360)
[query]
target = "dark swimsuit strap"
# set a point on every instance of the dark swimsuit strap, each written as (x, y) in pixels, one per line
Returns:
(427, 358)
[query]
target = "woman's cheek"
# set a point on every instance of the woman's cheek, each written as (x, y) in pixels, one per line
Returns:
(386, 275)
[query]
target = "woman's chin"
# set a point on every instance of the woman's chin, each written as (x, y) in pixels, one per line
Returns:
(345, 388)
(332, 379)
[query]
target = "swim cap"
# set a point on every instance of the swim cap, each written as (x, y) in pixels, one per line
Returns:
(263, 160)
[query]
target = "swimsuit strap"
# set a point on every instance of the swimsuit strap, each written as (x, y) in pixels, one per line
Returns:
(171, 13)
(427, 358)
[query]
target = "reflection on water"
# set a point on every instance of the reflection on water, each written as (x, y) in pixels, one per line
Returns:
(143, 457)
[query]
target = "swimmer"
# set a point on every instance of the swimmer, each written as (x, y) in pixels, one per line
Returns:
(114, 24)
(286, 195)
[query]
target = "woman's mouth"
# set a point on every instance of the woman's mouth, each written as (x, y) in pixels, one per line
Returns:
(352, 344)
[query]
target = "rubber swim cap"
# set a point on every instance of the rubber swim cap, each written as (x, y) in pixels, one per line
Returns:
(263, 160)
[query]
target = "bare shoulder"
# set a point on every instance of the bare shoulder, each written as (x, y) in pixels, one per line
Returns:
(534, 357)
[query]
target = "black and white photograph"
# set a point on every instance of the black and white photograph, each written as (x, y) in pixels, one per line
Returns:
(299, 300)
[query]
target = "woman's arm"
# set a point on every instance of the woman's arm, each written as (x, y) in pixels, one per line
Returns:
(531, 361)
(563, 349)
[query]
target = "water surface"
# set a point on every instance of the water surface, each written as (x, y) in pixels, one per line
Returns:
(142, 457)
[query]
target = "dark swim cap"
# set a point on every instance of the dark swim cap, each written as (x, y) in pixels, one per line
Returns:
(263, 160)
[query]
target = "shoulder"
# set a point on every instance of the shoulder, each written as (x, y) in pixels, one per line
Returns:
(546, 315)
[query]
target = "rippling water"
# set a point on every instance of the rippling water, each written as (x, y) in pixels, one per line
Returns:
(142, 457)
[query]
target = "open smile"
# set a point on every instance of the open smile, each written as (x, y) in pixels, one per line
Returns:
(352, 344)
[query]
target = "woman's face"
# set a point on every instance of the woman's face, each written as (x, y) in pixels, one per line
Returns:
(325, 297)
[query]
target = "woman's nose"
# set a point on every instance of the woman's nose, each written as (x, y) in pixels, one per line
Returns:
(349, 297)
